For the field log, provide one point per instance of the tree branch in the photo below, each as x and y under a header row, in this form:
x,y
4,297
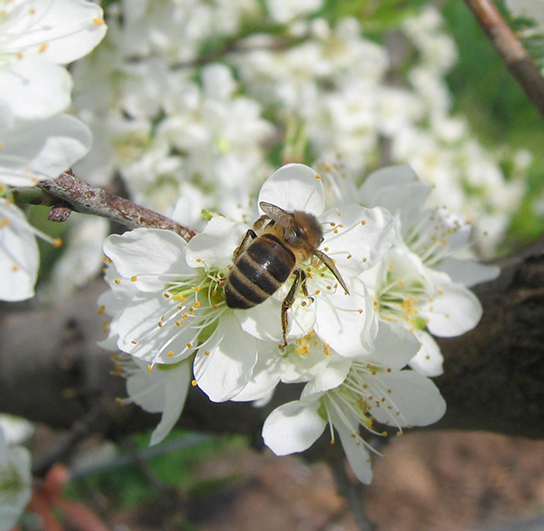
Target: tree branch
x,y
87,199
511,51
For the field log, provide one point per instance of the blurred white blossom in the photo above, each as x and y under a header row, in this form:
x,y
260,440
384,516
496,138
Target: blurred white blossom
x,y
38,37
15,482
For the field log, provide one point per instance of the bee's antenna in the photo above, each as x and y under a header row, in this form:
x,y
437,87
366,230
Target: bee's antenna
x,y
329,262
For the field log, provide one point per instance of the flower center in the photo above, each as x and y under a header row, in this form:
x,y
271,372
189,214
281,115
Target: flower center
x,y
200,304
399,299
353,402
431,238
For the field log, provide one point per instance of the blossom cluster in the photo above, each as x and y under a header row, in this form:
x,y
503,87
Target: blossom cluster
x,y
38,139
174,122
365,353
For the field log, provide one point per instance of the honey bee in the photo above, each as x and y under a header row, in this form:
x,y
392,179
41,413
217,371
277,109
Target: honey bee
x,y
269,254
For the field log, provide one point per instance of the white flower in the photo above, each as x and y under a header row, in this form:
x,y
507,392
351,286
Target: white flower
x,y
422,300
15,482
177,308
37,37
373,389
16,429
434,235
354,237
419,284
175,305
426,31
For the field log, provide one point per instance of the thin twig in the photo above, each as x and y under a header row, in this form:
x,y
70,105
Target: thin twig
x,y
79,431
512,52
352,492
235,47
87,199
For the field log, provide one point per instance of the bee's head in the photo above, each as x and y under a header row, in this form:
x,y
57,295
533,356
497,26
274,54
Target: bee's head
x,y
303,230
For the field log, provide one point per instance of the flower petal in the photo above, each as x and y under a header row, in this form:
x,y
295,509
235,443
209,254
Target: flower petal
x,y
413,395
429,360
147,253
452,313
346,322
468,272
357,454
294,187
225,367
329,377
59,31
35,89
178,381
19,255
262,321
266,374
214,246
40,149
293,427
394,346
399,190
358,237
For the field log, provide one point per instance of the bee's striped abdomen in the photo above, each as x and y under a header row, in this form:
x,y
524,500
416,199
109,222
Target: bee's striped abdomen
x,y
259,272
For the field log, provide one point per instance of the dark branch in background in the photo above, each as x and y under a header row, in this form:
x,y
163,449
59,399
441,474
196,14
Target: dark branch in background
x,y
236,46
70,192
512,52
352,491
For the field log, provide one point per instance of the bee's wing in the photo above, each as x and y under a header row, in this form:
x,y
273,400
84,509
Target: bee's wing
x,y
276,213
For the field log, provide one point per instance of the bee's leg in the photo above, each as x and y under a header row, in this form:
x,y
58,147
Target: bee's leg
x,y
303,285
248,238
300,278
